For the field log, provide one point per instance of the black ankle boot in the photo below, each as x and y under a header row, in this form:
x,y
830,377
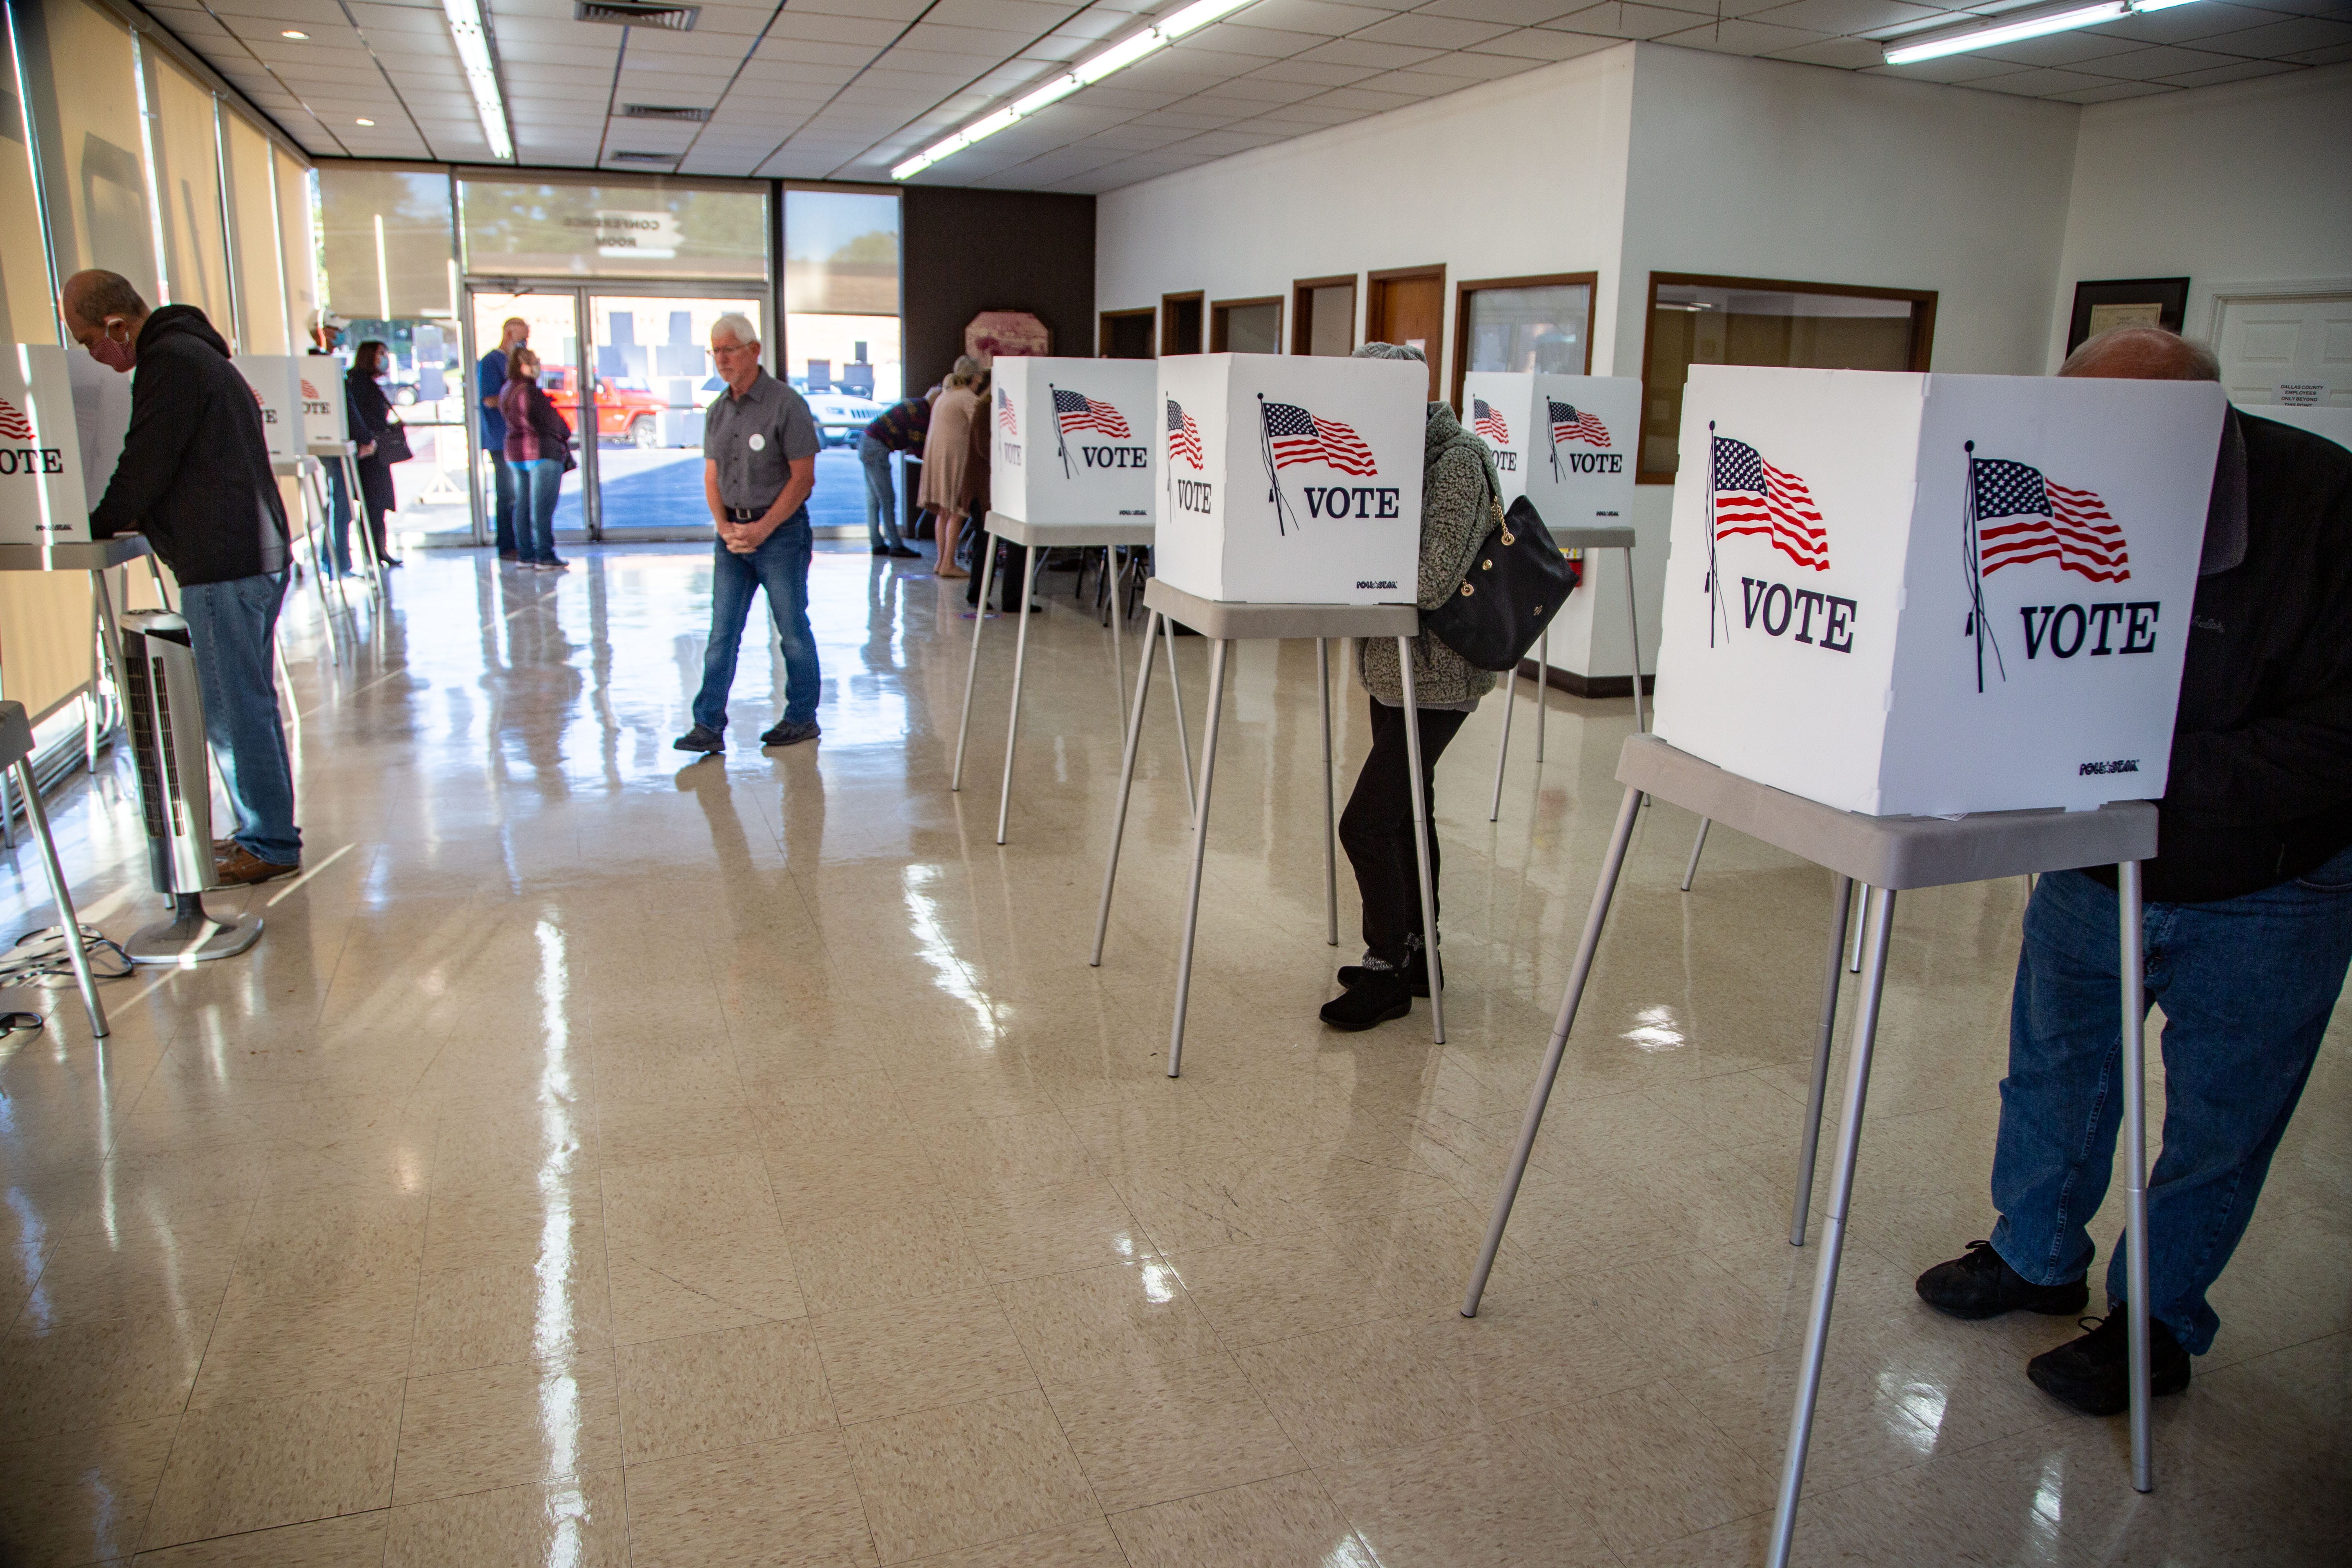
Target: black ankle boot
x,y
1416,970
1979,1283
1382,994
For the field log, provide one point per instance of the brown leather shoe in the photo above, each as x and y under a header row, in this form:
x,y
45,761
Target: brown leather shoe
x,y
241,868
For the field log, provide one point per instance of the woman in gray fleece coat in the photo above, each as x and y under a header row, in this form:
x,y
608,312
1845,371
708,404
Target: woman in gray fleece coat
x,y
1458,490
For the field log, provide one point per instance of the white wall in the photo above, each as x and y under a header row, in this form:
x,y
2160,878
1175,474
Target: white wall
x,y
2247,183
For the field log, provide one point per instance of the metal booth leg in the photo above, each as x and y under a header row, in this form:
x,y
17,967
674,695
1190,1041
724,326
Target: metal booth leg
x,y
1503,746
1698,845
1217,656
1543,686
37,816
2133,972
1421,828
971,671
1841,901
1331,805
1879,918
1126,783
1853,960
1113,574
1633,632
1020,658
1176,700
1610,866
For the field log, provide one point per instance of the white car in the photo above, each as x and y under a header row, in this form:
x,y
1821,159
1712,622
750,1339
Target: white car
x,y
842,417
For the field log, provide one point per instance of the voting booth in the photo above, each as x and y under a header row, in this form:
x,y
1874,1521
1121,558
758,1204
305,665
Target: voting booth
x,y
1288,478
1565,442
1916,595
1071,439
320,383
42,497
277,383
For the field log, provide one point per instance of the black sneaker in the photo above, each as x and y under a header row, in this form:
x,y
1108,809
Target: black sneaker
x,y
786,732
2094,1373
1979,1283
1416,970
901,552
701,739
1384,993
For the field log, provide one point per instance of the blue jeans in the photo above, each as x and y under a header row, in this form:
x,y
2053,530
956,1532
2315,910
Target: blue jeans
x,y
229,626
502,503
2247,986
881,503
338,519
781,565
536,483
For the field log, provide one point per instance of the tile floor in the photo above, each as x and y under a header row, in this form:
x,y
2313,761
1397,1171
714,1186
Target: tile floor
x,y
605,1159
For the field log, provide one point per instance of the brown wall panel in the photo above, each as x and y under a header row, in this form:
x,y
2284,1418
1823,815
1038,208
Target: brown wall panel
x,y
968,251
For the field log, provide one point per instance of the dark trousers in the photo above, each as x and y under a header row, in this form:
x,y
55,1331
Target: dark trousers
x,y
1377,828
502,508
1012,571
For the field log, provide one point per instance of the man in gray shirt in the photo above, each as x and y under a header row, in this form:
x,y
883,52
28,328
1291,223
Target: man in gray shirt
x,y
759,448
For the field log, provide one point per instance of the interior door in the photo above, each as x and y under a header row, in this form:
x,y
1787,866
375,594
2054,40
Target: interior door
x,y
1409,308
2271,344
553,316
654,376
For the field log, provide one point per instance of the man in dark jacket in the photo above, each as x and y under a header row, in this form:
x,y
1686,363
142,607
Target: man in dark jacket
x,y
194,478
2248,923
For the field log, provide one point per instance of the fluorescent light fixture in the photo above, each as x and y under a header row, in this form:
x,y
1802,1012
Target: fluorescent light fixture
x,y
1119,57
2010,29
363,123
297,33
481,73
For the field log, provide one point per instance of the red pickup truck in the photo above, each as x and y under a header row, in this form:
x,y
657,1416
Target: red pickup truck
x,y
624,411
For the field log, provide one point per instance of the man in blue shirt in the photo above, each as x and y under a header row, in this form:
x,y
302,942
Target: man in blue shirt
x,y
489,380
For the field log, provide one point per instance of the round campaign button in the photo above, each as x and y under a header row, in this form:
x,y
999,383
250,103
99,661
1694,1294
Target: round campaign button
x,y
758,443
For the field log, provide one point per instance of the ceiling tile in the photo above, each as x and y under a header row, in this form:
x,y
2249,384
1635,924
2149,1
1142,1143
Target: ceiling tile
x,y
2112,91
1741,37
2237,70
1310,17
1532,44
1515,13
1846,54
1426,32
2151,64
2040,83
1850,15
1357,52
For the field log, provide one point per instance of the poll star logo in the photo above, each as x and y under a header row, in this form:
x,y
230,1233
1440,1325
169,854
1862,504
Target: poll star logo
x,y
1288,435
1746,495
2015,514
1489,423
13,422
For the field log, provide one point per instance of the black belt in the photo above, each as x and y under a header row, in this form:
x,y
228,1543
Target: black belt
x,y
746,513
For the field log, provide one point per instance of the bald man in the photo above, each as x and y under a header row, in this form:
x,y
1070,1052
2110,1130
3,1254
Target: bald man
x,y
194,478
2248,923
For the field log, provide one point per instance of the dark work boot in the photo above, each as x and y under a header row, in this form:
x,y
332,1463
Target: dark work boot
x,y
1415,970
1979,1283
700,739
1382,994
2094,1373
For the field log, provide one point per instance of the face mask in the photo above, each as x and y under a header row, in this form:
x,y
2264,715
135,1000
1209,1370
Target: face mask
x,y
114,355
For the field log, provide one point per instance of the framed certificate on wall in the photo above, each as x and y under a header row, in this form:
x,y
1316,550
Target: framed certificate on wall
x,y
2125,302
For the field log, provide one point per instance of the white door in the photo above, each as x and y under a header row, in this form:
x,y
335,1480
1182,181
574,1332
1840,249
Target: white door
x,y
2267,345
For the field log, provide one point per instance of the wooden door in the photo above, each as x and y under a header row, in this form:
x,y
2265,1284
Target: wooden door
x,y
1408,306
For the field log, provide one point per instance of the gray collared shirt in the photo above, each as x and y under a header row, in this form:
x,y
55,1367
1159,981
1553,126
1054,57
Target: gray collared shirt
x,y
755,439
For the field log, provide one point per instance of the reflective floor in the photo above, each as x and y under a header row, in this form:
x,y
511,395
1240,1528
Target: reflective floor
x,y
605,1160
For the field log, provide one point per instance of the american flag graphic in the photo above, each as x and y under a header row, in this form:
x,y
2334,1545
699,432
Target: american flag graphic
x,y
1077,410
309,392
1488,423
1183,435
1005,413
13,422
1751,496
1568,424
2042,519
1294,436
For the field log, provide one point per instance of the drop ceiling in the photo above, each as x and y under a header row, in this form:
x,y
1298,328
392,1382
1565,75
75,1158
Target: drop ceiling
x,y
841,90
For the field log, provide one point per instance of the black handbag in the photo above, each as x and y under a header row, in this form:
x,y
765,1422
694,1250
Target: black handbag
x,y
392,445
1515,585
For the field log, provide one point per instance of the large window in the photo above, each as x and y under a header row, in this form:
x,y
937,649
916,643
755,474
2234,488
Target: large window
x,y
1751,321
1524,324
842,343
640,229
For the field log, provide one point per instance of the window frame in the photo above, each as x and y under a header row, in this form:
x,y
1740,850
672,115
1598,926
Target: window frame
x,y
1217,309
1302,310
1103,319
1469,285
1923,332
1168,304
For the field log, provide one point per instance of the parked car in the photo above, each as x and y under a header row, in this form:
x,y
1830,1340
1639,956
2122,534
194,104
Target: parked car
x,y
841,417
626,409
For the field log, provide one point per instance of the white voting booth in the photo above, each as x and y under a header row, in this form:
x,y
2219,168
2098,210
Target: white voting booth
x,y
42,495
1288,478
1071,439
277,383
319,382
1902,594
1568,444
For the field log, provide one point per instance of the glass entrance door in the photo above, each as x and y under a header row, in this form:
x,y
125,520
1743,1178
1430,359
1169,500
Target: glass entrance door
x,y
552,318
654,376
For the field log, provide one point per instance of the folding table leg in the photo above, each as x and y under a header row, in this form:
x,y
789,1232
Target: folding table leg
x,y
1020,658
1698,845
1633,632
1841,901
1176,700
1543,685
1853,959
1421,831
1503,746
2133,972
1330,806
971,671
1217,655
1879,916
1113,572
37,816
1125,782
1602,890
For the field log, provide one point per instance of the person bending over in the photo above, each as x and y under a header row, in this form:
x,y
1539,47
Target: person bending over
x,y
899,428
1459,486
2248,924
758,451
194,478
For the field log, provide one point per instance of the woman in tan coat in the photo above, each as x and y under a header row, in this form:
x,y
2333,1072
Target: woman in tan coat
x,y
947,469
